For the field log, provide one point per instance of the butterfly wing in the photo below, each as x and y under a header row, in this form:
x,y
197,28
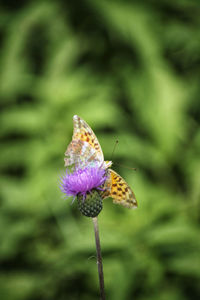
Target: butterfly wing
x,y
83,132
117,188
84,147
79,153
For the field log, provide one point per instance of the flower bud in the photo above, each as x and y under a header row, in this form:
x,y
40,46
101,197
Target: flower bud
x,y
91,204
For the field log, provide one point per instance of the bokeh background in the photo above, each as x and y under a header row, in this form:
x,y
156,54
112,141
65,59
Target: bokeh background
x,y
131,69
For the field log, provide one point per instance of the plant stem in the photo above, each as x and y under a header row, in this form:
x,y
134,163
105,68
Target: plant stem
x,y
99,259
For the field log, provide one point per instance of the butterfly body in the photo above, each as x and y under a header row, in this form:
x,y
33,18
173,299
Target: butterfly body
x,y
85,150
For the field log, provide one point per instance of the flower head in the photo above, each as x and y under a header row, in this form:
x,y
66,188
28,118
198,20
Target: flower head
x,y
82,180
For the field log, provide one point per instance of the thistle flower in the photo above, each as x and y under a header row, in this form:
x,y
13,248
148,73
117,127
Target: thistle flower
x,y
85,184
82,181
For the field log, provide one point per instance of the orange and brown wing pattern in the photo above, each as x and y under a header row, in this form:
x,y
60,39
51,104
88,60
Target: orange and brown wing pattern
x,y
117,188
83,132
84,148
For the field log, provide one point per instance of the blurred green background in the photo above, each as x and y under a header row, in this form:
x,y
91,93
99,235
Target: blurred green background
x,y
131,70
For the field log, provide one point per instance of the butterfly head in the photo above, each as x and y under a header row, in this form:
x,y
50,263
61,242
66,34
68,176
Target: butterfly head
x,y
107,164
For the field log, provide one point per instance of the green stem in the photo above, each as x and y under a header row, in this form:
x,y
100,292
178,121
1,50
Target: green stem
x,y
99,259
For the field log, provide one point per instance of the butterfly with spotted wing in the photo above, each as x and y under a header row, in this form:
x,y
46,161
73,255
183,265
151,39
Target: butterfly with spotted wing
x,y
85,150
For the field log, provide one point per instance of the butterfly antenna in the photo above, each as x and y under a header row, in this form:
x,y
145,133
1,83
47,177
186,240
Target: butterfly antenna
x,y
130,168
114,149
135,169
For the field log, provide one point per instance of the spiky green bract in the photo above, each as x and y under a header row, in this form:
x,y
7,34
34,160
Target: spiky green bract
x,y
91,204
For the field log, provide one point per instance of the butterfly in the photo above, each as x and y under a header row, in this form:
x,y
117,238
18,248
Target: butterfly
x,y
85,149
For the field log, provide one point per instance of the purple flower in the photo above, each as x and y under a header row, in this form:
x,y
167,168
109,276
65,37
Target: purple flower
x,y
82,181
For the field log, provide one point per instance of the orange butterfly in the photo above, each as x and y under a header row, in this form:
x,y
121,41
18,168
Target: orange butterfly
x,y
85,150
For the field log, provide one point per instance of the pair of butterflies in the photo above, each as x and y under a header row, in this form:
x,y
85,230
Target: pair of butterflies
x,y
85,150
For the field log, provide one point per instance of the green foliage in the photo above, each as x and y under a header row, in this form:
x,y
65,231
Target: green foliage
x,y
131,70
